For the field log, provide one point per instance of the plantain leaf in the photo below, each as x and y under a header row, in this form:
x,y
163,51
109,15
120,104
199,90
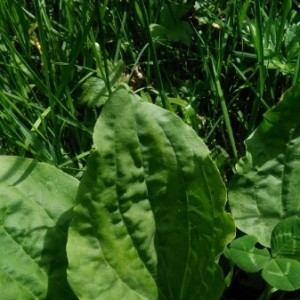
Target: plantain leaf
x,y
95,92
246,256
285,240
265,189
35,211
171,27
283,274
149,221
180,32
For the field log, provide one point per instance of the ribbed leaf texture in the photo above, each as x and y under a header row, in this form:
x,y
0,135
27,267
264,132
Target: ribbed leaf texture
x,y
36,203
149,221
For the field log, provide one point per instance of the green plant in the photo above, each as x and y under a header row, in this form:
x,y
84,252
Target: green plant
x,y
264,190
281,268
148,222
41,72
264,197
218,65
35,212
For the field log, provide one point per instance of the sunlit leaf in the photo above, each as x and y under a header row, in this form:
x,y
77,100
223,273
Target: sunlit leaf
x,y
150,220
35,211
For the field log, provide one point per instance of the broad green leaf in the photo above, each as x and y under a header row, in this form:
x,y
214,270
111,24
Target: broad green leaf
x,y
283,274
171,27
285,240
95,91
246,256
172,13
291,40
266,187
35,211
150,220
179,32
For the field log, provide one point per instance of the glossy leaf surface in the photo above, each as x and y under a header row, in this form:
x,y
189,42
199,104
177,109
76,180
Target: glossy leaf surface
x,y
283,274
150,219
35,210
266,189
285,240
246,256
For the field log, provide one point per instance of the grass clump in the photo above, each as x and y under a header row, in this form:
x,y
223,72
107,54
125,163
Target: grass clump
x,y
218,64
209,61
